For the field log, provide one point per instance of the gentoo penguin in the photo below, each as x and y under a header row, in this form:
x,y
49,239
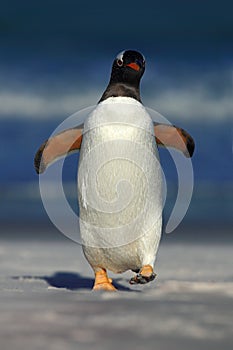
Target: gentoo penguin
x,y
119,175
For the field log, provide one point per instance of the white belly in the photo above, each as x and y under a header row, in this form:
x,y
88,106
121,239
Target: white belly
x,y
119,187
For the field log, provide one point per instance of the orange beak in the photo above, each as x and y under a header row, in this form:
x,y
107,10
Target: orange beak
x,y
133,66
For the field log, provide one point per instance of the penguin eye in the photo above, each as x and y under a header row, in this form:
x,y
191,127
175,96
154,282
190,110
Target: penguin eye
x,y
119,63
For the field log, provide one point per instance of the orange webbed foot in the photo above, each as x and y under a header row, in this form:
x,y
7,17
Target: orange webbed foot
x,y
108,287
102,282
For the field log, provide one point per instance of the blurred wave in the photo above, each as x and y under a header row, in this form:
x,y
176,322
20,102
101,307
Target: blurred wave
x,y
193,104
193,96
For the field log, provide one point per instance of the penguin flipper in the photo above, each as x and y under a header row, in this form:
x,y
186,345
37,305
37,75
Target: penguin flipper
x,y
60,145
172,136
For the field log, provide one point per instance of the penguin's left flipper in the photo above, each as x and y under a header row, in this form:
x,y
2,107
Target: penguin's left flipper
x,y
172,136
66,142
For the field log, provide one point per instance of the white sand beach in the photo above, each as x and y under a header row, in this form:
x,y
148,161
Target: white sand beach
x,y
46,300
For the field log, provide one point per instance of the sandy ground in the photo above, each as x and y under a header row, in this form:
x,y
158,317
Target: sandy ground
x,y
46,300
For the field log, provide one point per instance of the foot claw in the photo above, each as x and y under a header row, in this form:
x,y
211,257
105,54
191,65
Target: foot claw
x,y
145,275
139,279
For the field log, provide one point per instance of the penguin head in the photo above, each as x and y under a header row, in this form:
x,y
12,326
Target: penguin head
x,y
128,67
127,70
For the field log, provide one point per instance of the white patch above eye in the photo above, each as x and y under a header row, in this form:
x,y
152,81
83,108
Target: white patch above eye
x,y
120,55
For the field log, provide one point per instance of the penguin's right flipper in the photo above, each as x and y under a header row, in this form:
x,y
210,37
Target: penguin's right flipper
x,y
60,145
172,136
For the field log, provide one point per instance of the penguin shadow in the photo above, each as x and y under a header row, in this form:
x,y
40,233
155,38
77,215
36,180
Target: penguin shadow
x,y
70,281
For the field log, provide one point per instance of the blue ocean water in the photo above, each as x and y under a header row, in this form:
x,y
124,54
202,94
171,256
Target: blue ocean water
x,y
212,164
56,59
